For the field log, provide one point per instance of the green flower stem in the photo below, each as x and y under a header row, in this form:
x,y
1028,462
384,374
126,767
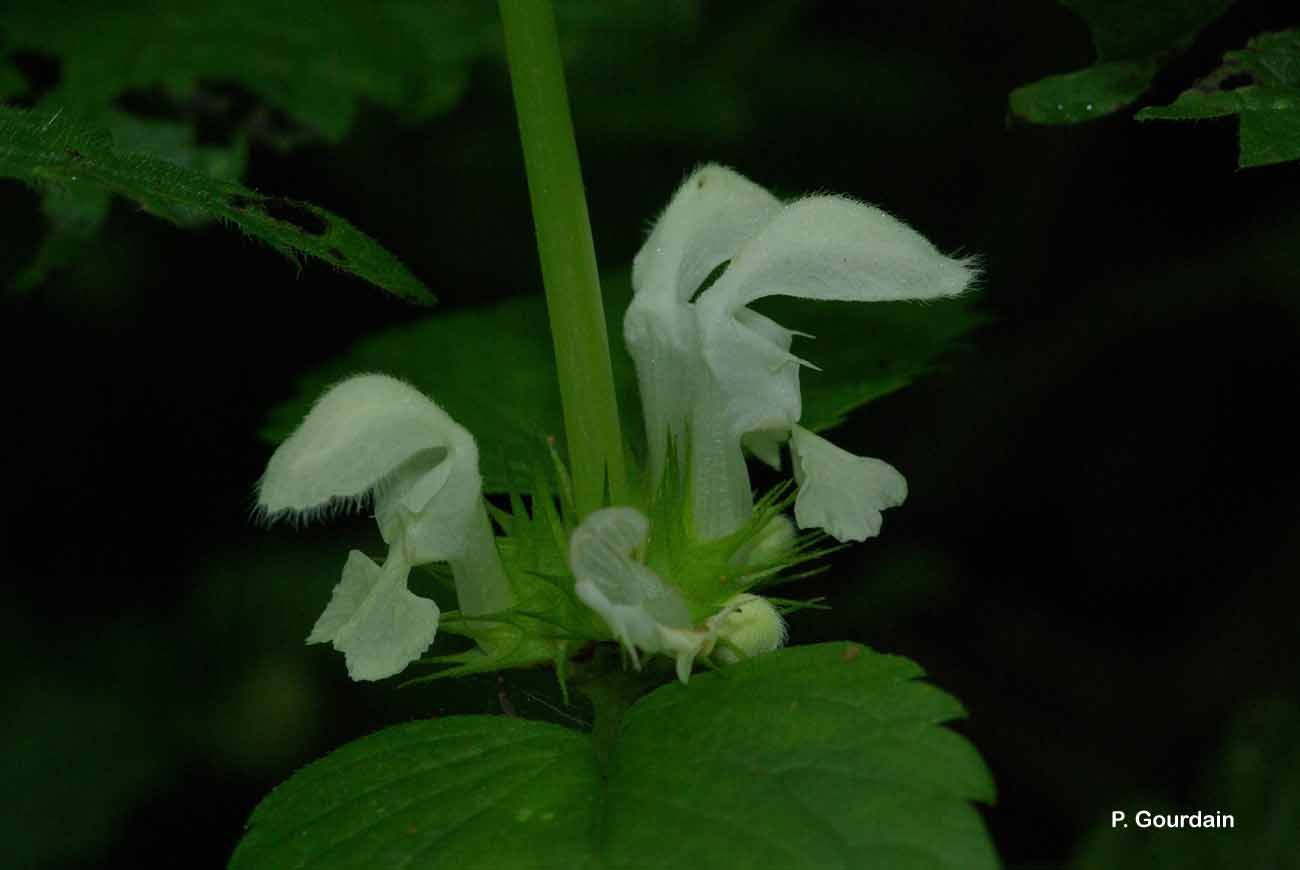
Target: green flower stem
x,y
567,253
612,691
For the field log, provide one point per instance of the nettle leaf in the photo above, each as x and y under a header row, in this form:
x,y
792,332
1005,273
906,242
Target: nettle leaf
x,y
1261,84
461,792
813,757
1133,41
866,351
54,151
819,756
74,214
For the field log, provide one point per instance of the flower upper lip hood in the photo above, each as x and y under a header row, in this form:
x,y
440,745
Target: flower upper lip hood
x,y
375,434
717,377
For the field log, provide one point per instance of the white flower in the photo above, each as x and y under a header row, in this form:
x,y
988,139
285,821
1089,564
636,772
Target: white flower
x,y
643,611
375,434
716,376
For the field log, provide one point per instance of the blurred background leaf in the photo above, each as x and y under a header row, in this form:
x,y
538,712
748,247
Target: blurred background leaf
x,y
865,352
1133,40
1261,84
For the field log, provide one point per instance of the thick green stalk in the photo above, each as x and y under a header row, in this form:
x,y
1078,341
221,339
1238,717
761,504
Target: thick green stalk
x,y
567,252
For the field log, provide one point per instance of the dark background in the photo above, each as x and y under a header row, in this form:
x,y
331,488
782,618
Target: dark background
x,y
1098,555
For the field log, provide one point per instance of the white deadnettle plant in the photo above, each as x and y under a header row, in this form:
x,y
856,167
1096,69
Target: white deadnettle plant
x,y
373,434
718,378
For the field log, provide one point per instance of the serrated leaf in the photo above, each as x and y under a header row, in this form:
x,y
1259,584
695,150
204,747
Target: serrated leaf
x,y
54,150
75,214
1133,40
1261,84
462,792
814,757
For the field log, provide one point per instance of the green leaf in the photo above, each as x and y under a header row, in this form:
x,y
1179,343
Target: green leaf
x,y
1133,40
1085,94
409,56
818,756
1261,84
54,151
12,82
1122,29
815,757
463,792
1255,779
75,214
404,55
866,351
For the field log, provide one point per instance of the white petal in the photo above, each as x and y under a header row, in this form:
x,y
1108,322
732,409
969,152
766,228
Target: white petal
x,y
631,598
360,431
482,586
710,217
432,501
758,379
840,493
750,385
833,248
708,220
661,338
359,578
374,620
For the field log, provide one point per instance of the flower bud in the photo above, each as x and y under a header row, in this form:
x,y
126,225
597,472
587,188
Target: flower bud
x,y
751,627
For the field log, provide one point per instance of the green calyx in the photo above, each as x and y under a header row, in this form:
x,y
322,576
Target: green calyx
x,y
548,624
